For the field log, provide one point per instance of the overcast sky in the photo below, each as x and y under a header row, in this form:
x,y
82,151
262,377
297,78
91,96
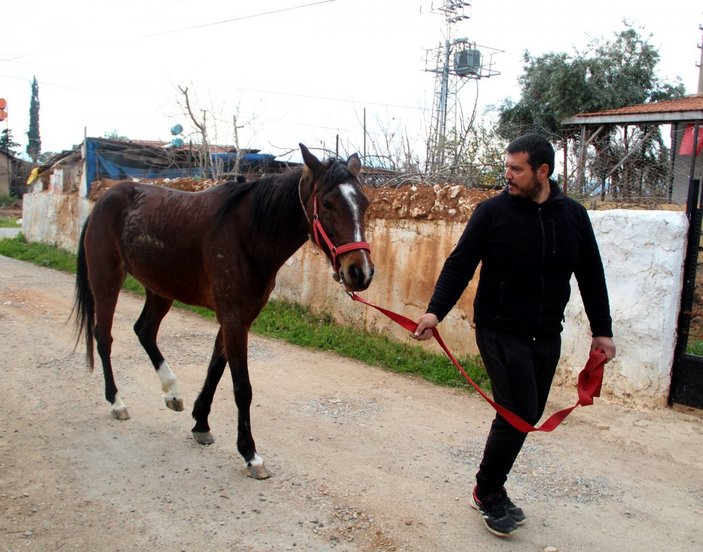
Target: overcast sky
x,y
291,70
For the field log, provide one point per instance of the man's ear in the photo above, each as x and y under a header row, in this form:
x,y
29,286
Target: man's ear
x,y
543,171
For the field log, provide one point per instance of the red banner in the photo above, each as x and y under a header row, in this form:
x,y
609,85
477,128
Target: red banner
x,y
686,147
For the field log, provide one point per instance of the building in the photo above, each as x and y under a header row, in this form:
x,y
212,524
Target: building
x,y
13,175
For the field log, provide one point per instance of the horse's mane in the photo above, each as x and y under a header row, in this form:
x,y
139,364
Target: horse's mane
x,y
275,202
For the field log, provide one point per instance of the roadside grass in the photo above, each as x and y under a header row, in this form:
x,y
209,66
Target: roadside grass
x,y
8,222
695,347
297,324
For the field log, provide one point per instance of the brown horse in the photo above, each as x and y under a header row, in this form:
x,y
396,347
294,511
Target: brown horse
x,y
221,249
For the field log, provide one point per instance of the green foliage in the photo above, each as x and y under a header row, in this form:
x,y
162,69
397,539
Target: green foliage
x,y
6,201
33,138
298,325
38,253
695,347
8,222
608,75
301,326
476,155
7,142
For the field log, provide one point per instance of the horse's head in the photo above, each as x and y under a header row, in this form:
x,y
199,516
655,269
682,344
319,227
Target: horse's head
x,y
336,207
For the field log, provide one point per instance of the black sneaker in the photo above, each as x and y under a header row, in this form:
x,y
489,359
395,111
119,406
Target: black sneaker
x,y
494,514
514,512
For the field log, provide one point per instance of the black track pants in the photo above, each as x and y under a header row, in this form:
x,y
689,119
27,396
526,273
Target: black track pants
x,y
521,371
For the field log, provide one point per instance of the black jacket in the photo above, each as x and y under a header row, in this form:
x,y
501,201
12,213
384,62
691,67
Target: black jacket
x,y
528,253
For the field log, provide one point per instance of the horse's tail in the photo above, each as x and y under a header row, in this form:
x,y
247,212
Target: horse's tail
x,y
84,303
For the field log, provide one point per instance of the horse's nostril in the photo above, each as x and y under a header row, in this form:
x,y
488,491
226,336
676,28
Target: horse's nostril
x,y
355,273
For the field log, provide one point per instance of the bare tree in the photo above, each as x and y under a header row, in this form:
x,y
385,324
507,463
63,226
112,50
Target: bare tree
x,y
201,126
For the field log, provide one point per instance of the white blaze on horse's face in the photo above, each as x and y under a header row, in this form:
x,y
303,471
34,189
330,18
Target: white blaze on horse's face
x,y
350,193
352,196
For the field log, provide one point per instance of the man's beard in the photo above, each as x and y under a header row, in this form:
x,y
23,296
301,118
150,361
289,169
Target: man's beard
x,y
531,191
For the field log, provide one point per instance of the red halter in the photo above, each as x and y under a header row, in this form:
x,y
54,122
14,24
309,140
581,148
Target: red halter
x,y
318,231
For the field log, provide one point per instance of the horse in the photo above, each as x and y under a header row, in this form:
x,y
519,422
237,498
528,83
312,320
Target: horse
x,y
219,248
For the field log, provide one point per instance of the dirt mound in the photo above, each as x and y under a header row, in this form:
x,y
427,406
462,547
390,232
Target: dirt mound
x,y
423,201
406,201
99,187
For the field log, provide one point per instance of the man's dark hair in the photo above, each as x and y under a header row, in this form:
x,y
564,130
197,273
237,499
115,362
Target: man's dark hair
x,y
537,148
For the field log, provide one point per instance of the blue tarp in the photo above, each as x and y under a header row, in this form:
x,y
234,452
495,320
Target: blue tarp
x,y
111,170
117,161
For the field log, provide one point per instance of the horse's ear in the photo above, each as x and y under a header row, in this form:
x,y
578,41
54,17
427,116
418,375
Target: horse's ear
x,y
311,162
354,164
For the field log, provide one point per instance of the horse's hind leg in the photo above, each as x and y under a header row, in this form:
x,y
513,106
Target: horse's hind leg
x,y
106,292
146,328
236,347
201,408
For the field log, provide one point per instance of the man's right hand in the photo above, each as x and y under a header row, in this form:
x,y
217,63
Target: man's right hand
x,y
427,322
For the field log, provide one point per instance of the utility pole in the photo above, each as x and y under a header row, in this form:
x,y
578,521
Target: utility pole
x,y
453,62
700,64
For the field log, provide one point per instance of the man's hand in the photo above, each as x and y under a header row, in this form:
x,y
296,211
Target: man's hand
x,y
424,326
605,343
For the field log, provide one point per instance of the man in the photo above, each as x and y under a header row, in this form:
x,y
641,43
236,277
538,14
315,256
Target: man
x,y
529,239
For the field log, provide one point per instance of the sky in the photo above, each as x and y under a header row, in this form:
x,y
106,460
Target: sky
x,y
291,71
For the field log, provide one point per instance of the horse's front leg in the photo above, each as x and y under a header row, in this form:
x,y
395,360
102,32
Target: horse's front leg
x,y
203,404
147,328
236,347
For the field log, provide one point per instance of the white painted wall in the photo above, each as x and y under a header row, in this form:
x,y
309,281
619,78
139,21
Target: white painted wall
x,y
54,218
643,253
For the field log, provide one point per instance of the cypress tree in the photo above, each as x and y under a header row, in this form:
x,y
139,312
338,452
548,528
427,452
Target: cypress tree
x,y
34,141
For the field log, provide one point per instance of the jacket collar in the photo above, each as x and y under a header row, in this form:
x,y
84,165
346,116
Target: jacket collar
x,y
555,196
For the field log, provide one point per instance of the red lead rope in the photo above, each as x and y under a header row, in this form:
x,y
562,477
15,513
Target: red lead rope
x,y
589,381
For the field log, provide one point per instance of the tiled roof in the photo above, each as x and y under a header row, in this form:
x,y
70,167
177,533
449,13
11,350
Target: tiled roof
x,y
685,104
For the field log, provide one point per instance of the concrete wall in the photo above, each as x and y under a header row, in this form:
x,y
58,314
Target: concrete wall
x,y
54,218
643,254
5,174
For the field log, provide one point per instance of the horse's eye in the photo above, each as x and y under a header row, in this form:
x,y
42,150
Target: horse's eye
x,y
326,204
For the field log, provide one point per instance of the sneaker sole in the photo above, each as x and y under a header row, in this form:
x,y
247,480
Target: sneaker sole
x,y
521,522
473,504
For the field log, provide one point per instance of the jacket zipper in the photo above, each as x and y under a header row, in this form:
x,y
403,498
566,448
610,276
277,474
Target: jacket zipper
x,y
544,260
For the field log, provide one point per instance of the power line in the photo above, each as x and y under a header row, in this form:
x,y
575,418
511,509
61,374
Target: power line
x,y
252,16
42,82
331,99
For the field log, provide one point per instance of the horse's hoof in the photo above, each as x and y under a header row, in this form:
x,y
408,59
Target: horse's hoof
x,y
120,414
203,437
258,472
256,468
174,404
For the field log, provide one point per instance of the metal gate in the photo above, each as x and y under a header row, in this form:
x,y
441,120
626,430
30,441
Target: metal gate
x,y
687,372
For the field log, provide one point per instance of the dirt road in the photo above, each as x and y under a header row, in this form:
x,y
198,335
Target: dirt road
x,y
362,460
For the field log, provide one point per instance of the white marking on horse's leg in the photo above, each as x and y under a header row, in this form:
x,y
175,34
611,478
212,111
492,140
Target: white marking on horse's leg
x,y
257,470
119,409
256,461
169,385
